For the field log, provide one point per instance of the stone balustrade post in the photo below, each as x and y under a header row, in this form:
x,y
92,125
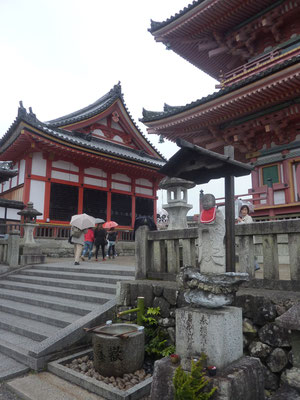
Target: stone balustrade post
x,y
142,252
13,248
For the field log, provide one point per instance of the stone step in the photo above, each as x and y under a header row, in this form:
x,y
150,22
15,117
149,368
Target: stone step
x,y
15,339
107,269
56,318
10,368
64,283
82,295
33,329
37,299
82,276
18,353
46,386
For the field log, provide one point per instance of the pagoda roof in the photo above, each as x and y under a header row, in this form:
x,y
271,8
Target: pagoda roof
x,y
52,131
149,116
7,171
199,22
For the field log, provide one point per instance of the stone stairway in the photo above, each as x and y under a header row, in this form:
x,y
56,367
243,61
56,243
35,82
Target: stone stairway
x,y
44,308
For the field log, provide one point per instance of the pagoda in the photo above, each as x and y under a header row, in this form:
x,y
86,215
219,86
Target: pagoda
x,y
253,49
94,160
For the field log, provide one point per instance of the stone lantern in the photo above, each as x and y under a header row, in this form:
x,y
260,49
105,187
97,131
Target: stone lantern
x,y
177,206
30,251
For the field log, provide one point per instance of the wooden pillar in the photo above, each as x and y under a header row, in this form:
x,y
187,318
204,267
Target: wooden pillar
x,y
108,205
47,189
230,224
80,190
27,178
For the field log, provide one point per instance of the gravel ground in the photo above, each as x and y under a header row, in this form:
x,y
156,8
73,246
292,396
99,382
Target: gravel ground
x,y
6,394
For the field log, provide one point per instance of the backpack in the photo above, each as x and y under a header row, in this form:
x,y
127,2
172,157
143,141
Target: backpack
x,y
75,232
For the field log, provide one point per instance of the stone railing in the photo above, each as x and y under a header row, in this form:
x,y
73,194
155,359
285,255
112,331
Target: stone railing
x,y
160,254
9,249
269,232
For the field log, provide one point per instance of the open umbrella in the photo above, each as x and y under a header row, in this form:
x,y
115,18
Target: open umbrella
x,y
82,221
110,224
99,221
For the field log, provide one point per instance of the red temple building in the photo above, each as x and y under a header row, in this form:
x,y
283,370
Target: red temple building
x,y
94,160
253,49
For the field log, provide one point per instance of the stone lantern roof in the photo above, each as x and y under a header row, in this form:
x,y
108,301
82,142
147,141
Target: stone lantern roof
x,y
29,213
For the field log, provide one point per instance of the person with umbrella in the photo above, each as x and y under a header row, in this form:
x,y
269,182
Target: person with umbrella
x,y
111,237
79,225
100,238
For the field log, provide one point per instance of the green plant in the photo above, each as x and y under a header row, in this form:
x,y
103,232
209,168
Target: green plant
x,y
156,338
193,386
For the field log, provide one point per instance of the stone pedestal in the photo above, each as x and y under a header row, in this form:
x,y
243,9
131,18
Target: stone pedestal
x,y
30,251
215,332
13,248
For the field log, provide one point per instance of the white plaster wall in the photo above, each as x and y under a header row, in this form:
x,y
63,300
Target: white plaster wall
x,y
6,185
37,196
14,181
39,164
21,172
98,132
144,182
103,121
121,177
118,138
141,190
121,186
95,182
115,125
64,176
68,166
95,172
12,213
279,197
2,212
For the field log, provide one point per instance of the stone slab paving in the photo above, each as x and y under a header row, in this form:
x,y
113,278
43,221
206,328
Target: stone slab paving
x,y
48,386
10,368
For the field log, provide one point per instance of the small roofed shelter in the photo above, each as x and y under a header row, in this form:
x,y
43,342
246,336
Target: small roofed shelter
x,y
200,165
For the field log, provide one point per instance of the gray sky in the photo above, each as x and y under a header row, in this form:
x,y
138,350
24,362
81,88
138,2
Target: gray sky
x,y
61,55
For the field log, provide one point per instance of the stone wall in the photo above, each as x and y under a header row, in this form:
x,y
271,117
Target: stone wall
x,y
263,339
62,248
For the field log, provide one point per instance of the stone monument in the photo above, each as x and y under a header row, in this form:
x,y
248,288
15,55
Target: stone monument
x,y
211,250
177,206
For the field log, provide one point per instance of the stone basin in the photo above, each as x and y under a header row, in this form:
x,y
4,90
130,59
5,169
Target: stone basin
x,y
118,349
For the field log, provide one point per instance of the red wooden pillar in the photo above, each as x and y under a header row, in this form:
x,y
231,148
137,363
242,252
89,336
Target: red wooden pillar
x,y
108,207
47,188
27,178
155,187
133,203
80,191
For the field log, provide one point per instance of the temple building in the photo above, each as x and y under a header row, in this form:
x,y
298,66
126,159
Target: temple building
x,y
94,160
253,49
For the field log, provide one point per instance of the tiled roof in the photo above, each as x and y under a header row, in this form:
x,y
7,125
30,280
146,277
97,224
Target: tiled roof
x,y
7,171
157,25
169,111
95,108
77,138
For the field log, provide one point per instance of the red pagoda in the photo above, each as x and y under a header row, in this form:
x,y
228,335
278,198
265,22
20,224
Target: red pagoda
x,y
94,160
253,48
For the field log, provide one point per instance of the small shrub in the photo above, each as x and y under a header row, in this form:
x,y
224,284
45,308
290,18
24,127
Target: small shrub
x,y
156,338
192,386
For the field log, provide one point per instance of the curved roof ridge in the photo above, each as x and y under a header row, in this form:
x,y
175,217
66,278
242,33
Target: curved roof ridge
x,y
169,111
155,25
105,100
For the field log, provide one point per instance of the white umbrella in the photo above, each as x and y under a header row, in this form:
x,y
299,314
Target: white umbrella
x,y
99,221
82,221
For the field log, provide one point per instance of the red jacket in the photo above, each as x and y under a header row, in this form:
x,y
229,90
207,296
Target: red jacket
x,y
89,236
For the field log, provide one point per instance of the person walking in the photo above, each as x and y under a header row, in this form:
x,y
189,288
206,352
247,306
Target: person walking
x,y
88,244
100,240
112,238
245,218
77,238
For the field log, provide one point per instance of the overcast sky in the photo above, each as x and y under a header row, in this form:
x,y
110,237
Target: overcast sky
x,y
58,56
